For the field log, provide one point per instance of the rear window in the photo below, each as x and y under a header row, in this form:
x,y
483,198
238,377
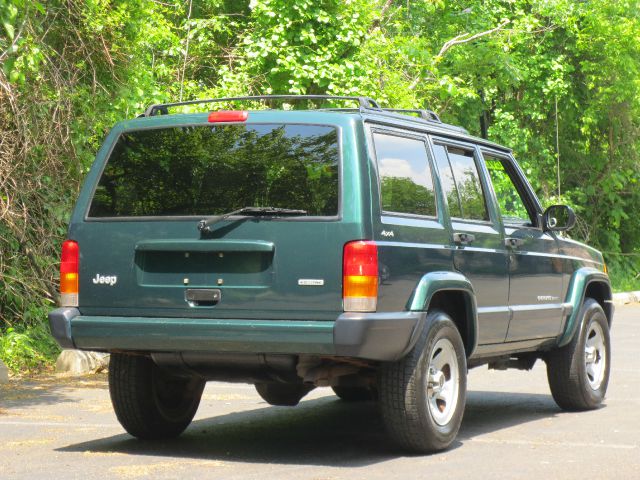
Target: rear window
x,y
211,170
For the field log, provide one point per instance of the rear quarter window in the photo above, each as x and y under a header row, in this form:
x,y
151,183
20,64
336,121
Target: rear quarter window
x,y
211,170
406,184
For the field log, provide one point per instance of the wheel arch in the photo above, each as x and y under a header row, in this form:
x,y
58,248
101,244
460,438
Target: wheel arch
x,y
600,291
452,293
586,283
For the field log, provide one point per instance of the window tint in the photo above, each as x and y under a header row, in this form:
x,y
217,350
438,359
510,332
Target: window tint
x,y
210,170
405,175
467,179
460,180
512,206
447,181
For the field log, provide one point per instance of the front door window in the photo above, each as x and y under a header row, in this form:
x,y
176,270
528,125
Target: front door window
x,y
513,207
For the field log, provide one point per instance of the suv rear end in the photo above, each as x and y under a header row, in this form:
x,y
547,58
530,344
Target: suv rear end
x,y
220,246
151,280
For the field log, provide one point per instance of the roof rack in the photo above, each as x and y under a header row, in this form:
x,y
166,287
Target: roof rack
x,y
424,114
163,108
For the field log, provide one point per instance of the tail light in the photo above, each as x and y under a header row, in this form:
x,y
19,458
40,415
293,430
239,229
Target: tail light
x,y
69,263
360,277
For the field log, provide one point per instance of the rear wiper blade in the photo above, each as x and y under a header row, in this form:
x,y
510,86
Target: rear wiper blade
x,y
205,224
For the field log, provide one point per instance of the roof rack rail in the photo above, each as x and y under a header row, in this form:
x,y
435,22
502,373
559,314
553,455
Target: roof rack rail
x,y
424,114
163,108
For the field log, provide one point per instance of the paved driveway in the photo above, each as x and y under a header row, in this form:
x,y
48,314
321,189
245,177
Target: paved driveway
x,y
64,428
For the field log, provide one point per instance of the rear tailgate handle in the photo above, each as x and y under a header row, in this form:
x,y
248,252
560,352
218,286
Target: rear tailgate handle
x,y
202,297
189,245
513,242
463,238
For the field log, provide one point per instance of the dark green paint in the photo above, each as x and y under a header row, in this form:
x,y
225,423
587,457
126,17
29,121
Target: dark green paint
x,y
434,282
190,245
575,296
191,334
512,294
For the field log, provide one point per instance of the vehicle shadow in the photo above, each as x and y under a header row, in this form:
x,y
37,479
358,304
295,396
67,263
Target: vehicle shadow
x,y
489,411
321,432
46,390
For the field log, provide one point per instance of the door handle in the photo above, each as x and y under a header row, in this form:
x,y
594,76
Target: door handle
x,y
513,242
463,238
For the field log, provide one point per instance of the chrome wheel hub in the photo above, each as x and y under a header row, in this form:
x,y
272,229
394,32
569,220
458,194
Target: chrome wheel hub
x,y
436,380
595,358
442,382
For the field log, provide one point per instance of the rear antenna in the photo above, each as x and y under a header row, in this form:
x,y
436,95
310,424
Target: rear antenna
x,y
186,50
557,147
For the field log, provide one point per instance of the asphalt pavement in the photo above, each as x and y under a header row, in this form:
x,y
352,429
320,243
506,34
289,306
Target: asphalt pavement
x,y
64,427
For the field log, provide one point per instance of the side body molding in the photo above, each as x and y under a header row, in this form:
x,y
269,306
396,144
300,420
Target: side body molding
x,y
575,296
435,282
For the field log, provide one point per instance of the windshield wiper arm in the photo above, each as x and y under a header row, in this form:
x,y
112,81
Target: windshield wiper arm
x,y
205,224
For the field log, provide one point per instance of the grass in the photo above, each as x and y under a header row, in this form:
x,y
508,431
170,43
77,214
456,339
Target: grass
x,y
28,350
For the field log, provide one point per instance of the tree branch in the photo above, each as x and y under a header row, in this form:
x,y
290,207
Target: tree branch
x,y
465,38
376,23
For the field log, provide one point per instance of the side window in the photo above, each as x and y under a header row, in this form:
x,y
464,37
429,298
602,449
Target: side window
x,y
461,182
447,180
406,185
513,208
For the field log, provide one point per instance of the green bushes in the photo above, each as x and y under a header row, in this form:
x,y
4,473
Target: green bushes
x,y
28,349
624,272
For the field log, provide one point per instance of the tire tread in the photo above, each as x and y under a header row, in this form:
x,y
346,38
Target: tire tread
x,y
131,391
564,367
398,397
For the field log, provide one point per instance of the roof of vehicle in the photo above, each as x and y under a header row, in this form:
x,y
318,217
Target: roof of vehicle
x,y
368,110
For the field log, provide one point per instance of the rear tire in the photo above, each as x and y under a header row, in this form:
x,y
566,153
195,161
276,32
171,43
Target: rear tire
x,y
282,394
150,403
422,396
578,373
355,394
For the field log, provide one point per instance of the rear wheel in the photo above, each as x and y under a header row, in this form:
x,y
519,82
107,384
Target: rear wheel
x,y
578,373
355,394
282,394
422,396
149,402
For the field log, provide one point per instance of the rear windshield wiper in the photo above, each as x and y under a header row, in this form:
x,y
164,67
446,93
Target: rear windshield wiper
x,y
204,225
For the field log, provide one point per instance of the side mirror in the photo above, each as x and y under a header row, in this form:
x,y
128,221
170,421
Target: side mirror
x,y
558,218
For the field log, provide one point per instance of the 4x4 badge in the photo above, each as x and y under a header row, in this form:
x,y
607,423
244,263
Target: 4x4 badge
x,y
387,233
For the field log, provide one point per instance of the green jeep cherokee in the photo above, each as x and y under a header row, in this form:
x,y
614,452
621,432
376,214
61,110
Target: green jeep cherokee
x,y
378,252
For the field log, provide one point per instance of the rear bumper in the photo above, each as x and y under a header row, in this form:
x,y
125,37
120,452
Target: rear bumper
x,y
60,324
373,336
377,336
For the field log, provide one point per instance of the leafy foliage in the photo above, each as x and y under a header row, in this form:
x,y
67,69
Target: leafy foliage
x,y
547,78
27,348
